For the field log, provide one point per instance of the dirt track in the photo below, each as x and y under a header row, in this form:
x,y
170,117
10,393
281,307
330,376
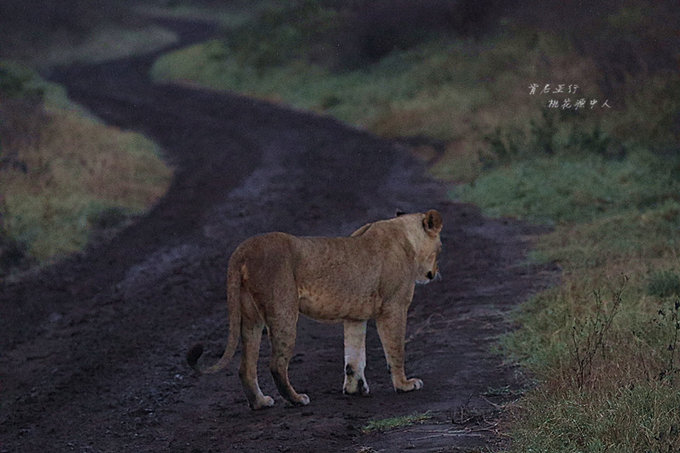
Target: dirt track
x,y
92,349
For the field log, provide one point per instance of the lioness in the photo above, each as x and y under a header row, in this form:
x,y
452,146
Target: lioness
x,y
370,275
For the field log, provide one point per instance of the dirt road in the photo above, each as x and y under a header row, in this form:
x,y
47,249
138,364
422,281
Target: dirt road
x,y
92,349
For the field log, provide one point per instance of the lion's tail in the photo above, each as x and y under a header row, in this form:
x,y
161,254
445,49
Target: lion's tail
x,y
234,276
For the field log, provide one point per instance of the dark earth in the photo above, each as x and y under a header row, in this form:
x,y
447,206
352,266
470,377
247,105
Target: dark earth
x,y
92,352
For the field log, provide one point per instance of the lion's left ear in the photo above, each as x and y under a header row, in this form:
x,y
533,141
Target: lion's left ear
x,y
432,222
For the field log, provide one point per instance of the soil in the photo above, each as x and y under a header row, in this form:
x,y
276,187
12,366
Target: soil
x,y
92,348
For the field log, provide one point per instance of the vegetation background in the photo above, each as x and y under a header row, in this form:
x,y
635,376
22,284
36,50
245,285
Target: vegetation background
x,y
454,81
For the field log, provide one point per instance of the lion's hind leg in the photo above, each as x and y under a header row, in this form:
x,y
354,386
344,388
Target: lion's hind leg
x,y
355,358
282,335
251,336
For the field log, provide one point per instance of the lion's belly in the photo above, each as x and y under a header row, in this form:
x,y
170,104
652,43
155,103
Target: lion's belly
x,y
326,304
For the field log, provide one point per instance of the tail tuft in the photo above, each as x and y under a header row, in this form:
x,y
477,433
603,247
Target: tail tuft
x,y
193,355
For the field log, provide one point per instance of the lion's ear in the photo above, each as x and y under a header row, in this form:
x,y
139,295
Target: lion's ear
x,y
432,223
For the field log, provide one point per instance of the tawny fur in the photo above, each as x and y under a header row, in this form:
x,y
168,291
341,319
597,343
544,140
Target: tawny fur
x,y
274,277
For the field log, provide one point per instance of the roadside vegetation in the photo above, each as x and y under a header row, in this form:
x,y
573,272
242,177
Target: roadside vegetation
x,y
66,178
63,174
465,82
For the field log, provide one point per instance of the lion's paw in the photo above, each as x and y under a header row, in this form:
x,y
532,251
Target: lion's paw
x,y
410,385
356,387
304,399
263,403
301,400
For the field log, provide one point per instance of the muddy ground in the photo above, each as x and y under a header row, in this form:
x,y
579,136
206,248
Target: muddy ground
x,y
92,349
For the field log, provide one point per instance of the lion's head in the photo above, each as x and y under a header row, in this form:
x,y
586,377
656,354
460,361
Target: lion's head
x,y
423,231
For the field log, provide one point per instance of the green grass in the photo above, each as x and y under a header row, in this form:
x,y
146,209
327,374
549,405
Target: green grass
x,y
387,424
575,188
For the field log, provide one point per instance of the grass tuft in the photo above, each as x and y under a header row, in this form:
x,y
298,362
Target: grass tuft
x,y
387,424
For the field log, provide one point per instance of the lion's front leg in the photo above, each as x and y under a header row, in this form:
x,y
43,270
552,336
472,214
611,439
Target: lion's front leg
x,y
355,358
392,330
